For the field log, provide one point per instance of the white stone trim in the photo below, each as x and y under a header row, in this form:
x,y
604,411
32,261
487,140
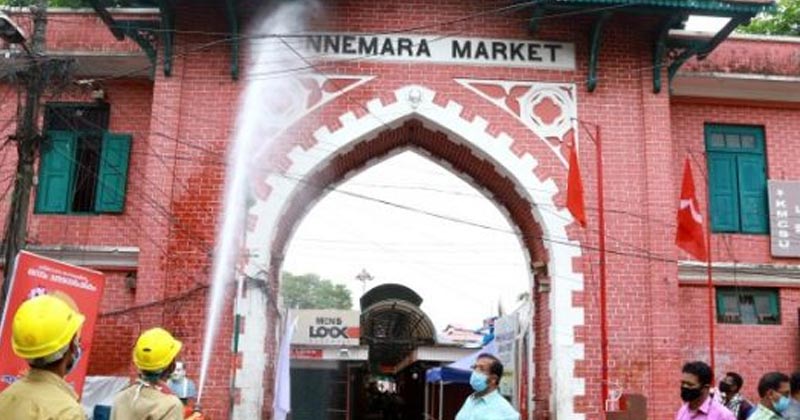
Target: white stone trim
x,y
758,87
684,34
695,272
417,102
123,258
536,91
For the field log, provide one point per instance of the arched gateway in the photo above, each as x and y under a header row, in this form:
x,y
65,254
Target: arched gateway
x,y
417,118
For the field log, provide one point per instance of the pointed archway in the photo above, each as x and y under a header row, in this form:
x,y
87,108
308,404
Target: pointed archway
x,y
411,118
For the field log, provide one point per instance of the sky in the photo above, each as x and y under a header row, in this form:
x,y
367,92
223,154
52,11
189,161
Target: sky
x,y
705,24
462,272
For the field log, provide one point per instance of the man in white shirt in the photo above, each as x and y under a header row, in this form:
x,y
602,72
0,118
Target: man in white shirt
x,y
486,403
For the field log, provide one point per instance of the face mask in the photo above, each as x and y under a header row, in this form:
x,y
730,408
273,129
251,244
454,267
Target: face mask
x,y
179,372
76,357
690,394
478,381
725,387
781,405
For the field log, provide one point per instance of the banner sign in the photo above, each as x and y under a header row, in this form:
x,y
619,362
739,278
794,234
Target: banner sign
x,y
33,276
440,49
326,327
505,334
784,217
302,353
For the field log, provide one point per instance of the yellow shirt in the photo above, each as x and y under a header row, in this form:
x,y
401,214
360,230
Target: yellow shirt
x,y
146,402
40,395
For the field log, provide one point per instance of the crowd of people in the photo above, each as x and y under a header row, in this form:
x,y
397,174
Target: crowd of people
x,y
46,332
778,396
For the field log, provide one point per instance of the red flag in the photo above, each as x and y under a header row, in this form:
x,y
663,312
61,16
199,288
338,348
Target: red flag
x,y
690,236
575,189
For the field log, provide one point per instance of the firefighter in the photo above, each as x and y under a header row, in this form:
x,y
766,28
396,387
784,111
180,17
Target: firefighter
x,y
46,333
150,397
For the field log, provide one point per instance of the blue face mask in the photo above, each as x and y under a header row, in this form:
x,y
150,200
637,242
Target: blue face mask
x,y
781,405
478,381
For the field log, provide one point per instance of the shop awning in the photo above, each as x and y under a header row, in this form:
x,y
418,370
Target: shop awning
x,y
460,370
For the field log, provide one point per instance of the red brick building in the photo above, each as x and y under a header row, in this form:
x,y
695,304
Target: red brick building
x,y
519,85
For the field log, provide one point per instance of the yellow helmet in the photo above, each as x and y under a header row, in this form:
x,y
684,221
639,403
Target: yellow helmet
x,y
43,327
155,349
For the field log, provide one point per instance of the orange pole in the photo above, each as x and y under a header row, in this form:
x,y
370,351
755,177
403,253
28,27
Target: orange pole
x,y
601,221
710,284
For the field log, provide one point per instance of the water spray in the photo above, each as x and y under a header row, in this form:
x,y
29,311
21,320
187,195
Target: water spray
x,y
264,112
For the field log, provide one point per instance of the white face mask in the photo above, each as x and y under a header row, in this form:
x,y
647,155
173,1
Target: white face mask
x,y
179,372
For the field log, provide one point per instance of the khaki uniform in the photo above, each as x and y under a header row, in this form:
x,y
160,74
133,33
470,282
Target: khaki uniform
x,y
40,395
146,402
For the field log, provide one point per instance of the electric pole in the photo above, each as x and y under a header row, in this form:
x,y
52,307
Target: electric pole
x,y
33,80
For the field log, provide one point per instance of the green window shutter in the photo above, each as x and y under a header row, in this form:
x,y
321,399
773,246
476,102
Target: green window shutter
x,y
56,171
752,193
112,175
775,305
720,305
723,191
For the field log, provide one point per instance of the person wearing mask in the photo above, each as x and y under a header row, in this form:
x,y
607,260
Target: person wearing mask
x,y
183,387
731,387
793,412
773,388
486,403
695,393
150,397
45,331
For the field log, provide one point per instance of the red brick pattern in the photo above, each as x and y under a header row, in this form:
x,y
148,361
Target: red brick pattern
x,y
182,125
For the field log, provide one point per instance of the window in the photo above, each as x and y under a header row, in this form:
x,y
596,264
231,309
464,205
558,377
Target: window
x,y
737,305
83,167
737,178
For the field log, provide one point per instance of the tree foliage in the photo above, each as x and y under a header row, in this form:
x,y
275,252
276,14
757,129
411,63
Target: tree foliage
x,y
309,291
784,20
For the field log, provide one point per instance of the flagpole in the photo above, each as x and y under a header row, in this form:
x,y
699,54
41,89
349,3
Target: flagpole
x,y
710,281
601,249
601,245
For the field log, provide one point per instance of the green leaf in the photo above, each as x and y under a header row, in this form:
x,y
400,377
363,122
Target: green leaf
x,y
309,291
784,20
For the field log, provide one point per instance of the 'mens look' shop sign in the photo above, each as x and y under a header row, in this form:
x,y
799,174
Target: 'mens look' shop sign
x,y
441,49
326,327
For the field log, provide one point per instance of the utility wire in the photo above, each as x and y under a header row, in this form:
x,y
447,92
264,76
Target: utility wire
x,y
432,215
167,215
499,10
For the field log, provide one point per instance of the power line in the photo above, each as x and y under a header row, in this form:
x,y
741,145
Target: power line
x,y
649,257
645,218
168,217
563,241
444,217
498,10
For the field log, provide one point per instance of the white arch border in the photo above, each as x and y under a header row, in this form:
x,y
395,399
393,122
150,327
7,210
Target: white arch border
x,y
417,102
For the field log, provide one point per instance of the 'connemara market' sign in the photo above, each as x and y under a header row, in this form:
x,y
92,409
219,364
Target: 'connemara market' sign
x,y
442,49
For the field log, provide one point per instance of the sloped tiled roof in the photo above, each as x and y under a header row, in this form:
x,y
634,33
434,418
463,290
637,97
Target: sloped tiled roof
x,y
733,6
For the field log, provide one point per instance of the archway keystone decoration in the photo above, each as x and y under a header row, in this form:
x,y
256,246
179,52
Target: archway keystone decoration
x,y
420,104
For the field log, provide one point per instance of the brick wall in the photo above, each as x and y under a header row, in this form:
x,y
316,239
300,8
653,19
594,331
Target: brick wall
x,y
736,348
182,125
